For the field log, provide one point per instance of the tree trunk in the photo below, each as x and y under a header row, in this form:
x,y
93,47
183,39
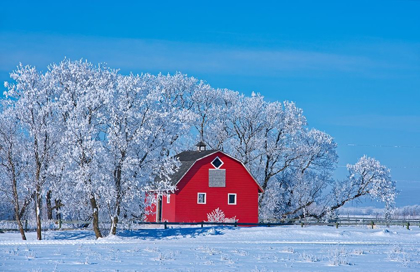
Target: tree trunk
x,y
117,179
264,187
95,215
38,184
16,202
49,206
21,229
114,222
38,214
57,208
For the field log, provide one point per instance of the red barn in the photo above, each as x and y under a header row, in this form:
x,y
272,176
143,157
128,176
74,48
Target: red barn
x,y
207,180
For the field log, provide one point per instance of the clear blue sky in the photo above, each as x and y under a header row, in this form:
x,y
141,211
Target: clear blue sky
x,y
353,66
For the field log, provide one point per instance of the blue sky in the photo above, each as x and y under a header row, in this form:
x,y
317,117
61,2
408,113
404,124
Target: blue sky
x,y
353,66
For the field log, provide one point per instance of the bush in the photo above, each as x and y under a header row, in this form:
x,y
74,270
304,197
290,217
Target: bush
x,y
218,216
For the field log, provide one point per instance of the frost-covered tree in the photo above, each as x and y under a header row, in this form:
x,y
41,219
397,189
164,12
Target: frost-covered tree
x,y
300,185
292,163
34,103
246,125
88,136
13,167
213,107
143,122
313,173
284,122
368,177
84,93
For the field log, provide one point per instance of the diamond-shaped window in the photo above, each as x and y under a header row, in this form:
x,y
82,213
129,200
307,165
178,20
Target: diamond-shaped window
x,y
217,162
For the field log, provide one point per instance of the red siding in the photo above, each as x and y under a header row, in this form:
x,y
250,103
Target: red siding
x,y
238,181
151,210
168,209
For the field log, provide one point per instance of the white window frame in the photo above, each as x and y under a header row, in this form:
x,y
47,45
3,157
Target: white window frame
x,y
168,199
198,198
215,165
236,199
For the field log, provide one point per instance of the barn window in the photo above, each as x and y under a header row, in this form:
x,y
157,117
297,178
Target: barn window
x,y
201,198
217,177
217,162
232,199
168,199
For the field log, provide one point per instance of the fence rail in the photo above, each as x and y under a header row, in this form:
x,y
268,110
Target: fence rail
x,y
135,225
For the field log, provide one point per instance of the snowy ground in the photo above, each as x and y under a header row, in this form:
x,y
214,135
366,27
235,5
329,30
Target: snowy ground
x,y
283,248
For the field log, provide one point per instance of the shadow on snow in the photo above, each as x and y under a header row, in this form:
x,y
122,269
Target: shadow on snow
x,y
171,232
138,234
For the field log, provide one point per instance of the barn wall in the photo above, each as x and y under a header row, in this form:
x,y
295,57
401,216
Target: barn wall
x,y
238,181
151,209
168,210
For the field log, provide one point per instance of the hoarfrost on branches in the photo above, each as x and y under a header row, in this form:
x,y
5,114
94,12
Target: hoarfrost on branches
x,y
144,122
93,143
33,99
368,177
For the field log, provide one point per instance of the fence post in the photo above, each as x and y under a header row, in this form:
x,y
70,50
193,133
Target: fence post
x,y
164,225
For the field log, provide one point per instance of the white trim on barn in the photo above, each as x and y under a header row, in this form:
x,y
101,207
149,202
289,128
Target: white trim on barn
x,y
235,199
204,198
215,160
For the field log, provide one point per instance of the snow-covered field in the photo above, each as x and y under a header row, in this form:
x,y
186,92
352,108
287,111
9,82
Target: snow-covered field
x,y
286,248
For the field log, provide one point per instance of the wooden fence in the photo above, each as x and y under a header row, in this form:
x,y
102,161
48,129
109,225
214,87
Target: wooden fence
x,y
136,225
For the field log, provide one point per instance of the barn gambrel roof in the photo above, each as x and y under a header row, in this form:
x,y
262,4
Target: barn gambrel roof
x,y
189,158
